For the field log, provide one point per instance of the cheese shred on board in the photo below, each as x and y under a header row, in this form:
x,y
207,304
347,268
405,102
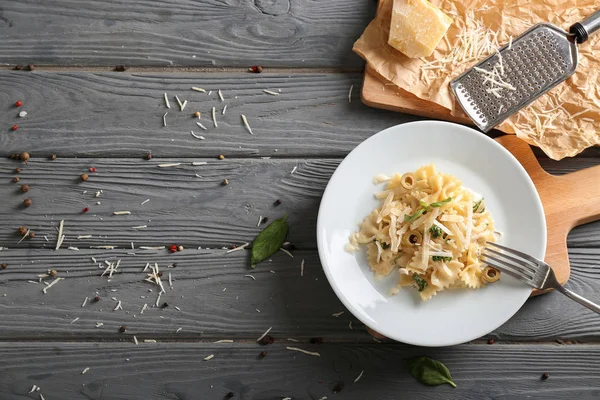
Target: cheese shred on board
x,y
429,230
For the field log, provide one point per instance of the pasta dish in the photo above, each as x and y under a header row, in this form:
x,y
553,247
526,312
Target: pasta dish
x,y
431,230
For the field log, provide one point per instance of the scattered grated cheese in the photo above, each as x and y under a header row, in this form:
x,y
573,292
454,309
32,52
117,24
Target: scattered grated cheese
x,y
84,237
178,330
350,94
51,284
220,95
170,281
302,268
165,119
195,163
86,369
250,276
46,238
72,248
177,308
286,252
270,92
359,376
294,170
257,310
41,396
75,320
246,124
61,237
94,259
183,105
224,341
151,247
32,389
118,307
209,357
224,109
103,247
178,101
376,340
30,281
214,117
122,212
200,125
24,236
139,227
144,202
242,247
259,220
135,340
310,353
292,340
84,302
144,307
197,89
167,101
169,165
350,325
99,324
149,341
158,299
337,314
196,136
264,334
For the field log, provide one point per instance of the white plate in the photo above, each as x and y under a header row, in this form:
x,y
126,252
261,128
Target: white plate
x,y
484,166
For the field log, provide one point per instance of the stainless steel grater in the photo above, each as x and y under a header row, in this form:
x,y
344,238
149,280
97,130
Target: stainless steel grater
x,y
520,72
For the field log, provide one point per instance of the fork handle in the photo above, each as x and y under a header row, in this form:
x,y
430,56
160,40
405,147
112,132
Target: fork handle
x,y
581,300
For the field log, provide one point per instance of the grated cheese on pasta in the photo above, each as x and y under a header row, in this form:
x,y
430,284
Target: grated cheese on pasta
x,y
430,232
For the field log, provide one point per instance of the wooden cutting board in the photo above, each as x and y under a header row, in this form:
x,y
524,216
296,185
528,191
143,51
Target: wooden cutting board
x,y
569,200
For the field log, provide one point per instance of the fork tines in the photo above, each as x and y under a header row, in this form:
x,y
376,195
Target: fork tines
x,y
512,262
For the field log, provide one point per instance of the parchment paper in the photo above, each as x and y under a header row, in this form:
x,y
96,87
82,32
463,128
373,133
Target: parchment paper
x,y
562,123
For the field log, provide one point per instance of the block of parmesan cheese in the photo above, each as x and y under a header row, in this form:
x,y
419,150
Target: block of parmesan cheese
x,y
417,27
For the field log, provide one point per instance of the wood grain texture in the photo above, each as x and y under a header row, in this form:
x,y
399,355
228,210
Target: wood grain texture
x,y
117,115
177,371
218,301
380,93
183,208
221,33
215,298
568,200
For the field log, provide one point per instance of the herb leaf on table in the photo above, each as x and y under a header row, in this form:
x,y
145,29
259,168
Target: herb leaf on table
x,y
429,371
269,240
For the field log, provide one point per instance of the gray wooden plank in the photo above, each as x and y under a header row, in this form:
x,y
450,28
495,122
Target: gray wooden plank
x,y
190,33
120,114
183,208
217,300
178,371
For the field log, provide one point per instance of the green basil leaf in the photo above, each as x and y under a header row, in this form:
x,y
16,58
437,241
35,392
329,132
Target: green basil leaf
x,y
429,371
411,218
441,203
420,282
476,205
269,240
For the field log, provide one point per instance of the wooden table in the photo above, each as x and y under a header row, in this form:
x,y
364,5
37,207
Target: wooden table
x,y
92,116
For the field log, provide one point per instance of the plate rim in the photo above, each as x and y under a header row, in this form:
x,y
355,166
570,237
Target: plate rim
x,y
438,124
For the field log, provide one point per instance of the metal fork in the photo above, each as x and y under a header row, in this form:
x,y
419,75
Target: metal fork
x,y
529,270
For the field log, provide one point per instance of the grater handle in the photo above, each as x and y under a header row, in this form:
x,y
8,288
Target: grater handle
x,y
582,30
